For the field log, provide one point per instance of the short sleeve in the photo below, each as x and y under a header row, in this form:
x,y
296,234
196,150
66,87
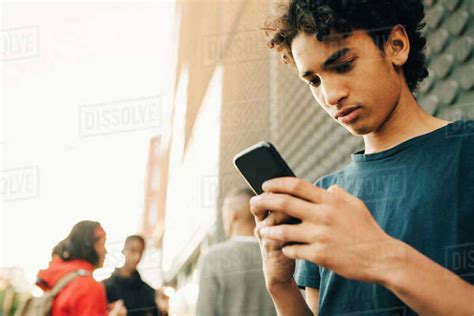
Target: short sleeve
x,y
307,274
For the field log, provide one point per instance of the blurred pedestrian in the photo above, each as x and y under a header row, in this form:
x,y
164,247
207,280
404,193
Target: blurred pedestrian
x,y
126,283
231,277
162,300
83,251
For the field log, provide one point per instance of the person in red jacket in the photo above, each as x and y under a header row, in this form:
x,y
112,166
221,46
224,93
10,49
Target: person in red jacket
x,y
84,249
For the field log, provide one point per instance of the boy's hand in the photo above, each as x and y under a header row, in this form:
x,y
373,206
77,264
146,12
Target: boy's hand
x,y
337,231
117,308
278,268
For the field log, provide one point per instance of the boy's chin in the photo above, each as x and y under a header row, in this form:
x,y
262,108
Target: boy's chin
x,y
357,129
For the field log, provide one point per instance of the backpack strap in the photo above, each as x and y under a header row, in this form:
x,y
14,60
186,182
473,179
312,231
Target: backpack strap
x,y
67,279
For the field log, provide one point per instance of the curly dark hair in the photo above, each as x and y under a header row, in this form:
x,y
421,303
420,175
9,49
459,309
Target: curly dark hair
x,y
79,244
135,237
377,17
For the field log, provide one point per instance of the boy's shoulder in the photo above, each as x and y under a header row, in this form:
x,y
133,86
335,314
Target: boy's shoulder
x,y
455,139
457,142
461,133
462,128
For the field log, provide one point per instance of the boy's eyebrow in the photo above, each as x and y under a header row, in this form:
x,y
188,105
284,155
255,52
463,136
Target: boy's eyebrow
x,y
335,57
330,61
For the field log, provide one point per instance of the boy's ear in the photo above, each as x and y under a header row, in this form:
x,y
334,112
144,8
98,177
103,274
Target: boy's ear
x,y
398,46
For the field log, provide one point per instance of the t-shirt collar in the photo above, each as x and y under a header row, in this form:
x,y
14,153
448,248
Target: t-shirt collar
x,y
361,157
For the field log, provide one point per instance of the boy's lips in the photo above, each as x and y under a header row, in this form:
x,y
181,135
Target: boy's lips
x,y
349,115
346,111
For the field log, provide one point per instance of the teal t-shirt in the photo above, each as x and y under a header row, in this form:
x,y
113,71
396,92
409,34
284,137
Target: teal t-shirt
x,y
420,192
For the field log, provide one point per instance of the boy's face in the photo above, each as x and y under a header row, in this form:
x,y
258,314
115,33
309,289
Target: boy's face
x,y
133,251
350,78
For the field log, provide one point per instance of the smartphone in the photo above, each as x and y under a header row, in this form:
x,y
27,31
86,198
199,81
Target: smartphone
x,y
259,163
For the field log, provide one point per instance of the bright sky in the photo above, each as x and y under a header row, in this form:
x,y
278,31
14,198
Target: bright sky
x,y
84,88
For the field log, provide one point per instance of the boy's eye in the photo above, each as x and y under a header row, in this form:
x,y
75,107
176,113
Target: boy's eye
x,y
314,82
344,67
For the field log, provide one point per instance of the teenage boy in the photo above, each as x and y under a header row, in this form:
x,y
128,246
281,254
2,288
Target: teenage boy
x,y
393,232
127,285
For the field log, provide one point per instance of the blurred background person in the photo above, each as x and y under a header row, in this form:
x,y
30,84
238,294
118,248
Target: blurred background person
x,y
231,277
162,300
83,249
126,283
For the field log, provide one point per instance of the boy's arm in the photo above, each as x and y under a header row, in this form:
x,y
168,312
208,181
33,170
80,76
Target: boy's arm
x,y
312,299
278,269
425,286
288,299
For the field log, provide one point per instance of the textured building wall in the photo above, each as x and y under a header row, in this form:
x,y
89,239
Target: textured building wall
x,y
245,106
229,41
449,90
315,145
222,36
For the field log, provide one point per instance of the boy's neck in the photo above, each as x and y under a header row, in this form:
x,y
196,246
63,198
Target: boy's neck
x,y
407,121
126,271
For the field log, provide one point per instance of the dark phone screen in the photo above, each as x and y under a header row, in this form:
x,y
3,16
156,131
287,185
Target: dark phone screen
x,y
261,164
